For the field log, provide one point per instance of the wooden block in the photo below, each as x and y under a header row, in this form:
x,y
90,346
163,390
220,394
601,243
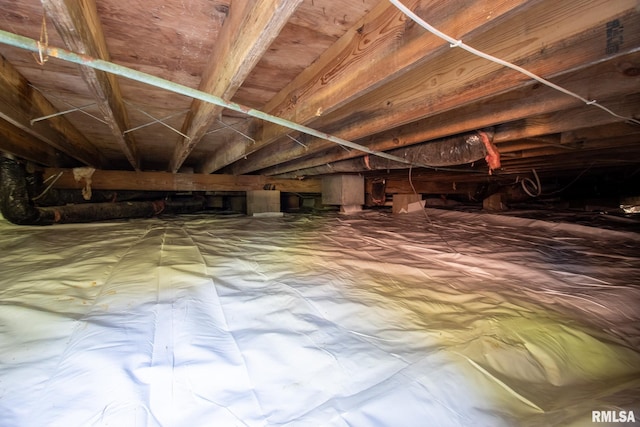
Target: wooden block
x,y
401,202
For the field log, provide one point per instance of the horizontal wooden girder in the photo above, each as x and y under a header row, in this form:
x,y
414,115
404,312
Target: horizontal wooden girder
x,y
165,181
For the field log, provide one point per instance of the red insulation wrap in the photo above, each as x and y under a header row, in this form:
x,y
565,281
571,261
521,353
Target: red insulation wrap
x,y
493,155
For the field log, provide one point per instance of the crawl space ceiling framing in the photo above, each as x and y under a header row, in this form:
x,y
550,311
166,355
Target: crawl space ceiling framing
x,y
361,71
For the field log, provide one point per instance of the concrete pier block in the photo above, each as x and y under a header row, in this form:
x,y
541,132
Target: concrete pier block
x,y
262,201
343,190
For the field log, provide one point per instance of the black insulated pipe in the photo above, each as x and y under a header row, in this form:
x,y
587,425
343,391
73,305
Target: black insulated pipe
x,y
17,206
90,212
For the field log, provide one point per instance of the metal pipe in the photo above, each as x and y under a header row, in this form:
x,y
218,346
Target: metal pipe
x,y
119,70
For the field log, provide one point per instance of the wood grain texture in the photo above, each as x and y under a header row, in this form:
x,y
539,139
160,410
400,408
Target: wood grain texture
x,y
458,78
166,181
20,103
15,141
357,69
605,79
258,22
378,48
568,119
78,24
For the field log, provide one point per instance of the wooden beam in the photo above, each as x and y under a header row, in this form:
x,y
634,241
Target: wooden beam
x,y
15,141
246,35
78,24
460,78
20,103
457,78
576,136
566,120
607,159
616,152
577,170
514,149
166,181
604,79
430,187
376,49
562,155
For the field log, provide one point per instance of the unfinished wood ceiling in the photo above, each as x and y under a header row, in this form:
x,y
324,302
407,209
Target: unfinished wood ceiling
x,y
360,70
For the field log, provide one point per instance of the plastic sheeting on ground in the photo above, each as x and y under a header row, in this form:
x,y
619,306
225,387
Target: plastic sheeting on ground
x,y
454,319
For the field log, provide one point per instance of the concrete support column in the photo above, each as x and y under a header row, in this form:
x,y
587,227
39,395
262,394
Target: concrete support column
x,y
263,202
347,191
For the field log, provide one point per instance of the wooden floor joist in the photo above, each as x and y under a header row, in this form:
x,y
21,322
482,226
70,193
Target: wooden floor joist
x,y
79,26
293,88
234,57
376,49
457,78
20,103
529,100
24,145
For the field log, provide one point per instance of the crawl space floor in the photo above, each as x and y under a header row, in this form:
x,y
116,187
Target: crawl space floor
x,y
444,319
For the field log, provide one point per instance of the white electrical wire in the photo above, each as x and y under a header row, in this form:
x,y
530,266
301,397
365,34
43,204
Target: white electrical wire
x,y
533,189
458,43
57,177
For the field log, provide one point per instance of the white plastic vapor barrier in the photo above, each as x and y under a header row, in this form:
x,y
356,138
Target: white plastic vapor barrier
x,y
319,320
